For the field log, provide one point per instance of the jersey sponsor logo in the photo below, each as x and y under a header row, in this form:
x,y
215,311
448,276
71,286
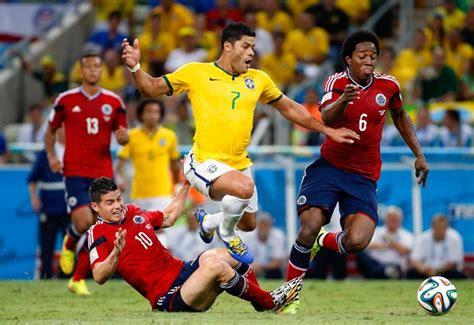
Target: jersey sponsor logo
x,y
76,109
249,83
138,220
380,99
72,201
301,200
211,168
106,109
214,79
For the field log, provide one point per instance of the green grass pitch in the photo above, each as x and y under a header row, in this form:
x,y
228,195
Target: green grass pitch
x,y
322,302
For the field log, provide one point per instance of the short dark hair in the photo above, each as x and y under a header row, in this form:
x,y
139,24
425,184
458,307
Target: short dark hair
x,y
144,102
359,36
234,32
91,54
453,114
100,186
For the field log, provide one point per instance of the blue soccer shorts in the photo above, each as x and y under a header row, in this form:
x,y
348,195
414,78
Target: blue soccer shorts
x,y
324,185
77,192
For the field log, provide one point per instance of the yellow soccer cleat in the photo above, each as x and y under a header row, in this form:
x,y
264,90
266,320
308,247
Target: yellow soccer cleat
x,y
67,258
292,308
78,287
318,243
286,295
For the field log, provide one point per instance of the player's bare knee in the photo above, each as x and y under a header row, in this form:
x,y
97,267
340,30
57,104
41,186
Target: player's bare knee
x,y
246,188
247,223
214,266
355,243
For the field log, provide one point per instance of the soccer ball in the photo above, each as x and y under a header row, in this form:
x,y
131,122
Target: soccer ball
x,y
437,295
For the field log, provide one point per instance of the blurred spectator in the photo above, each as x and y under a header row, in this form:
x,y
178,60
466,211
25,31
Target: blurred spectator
x,y
467,31
47,198
32,131
454,133
273,19
435,31
426,131
386,256
173,17
310,44
184,125
263,38
268,247
358,11
125,8
4,155
438,251
155,46
296,7
302,136
335,22
111,37
458,53
222,14
113,73
280,64
453,17
385,61
467,83
437,82
207,39
52,80
188,52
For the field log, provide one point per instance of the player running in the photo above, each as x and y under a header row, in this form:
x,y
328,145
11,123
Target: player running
x,y
357,99
123,240
223,96
90,115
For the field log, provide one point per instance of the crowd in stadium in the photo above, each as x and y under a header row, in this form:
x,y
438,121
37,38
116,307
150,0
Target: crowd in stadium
x,y
298,45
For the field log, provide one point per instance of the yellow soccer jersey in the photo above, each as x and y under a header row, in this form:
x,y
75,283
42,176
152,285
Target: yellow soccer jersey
x,y
223,107
151,156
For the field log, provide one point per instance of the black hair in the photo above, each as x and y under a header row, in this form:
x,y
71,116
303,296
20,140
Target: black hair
x,y
91,54
114,14
453,114
234,32
360,36
100,186
144,102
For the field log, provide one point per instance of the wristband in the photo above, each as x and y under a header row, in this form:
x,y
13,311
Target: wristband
x,y
135,68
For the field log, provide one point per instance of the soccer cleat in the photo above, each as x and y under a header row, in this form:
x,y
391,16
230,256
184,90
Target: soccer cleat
x,y
287,294
292,308
67,258
239,250
78,287
200,214
317,246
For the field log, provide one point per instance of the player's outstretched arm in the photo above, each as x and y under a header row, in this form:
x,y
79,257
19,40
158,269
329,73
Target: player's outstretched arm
x,y
175,208
53,160
102,271
403,123
146,84
296,113
334,112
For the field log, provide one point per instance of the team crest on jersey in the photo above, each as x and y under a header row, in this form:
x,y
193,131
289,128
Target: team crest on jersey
x,y
72,201
380,99
249,83
211,168
138,220
162,142
301,200
106,109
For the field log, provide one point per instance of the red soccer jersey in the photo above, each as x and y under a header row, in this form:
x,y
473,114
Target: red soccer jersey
x,y
144,263
366,116
89,123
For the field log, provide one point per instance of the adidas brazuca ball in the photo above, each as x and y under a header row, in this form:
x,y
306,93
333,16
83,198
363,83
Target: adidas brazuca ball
x,y
437,295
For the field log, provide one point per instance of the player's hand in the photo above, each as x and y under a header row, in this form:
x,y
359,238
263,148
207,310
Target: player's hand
x,y
421,168
119,242
130,53
342,135
351,93
54,164
35,203
121,134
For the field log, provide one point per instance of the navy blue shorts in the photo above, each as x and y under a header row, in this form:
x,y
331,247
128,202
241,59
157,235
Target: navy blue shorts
x,y
77,191
324,185
172,300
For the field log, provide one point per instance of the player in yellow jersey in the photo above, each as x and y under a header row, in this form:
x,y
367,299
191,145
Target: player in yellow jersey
x,y
153,151
223,96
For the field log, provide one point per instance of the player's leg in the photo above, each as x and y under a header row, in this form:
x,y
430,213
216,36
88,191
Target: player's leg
x,y
46,237
359,230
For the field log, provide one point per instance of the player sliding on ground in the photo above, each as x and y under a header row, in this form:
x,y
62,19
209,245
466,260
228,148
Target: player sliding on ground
x,y
223,96
123,240
357,99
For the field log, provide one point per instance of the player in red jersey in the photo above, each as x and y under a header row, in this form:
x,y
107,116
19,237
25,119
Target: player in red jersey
x,y
90,115
356,99
123,240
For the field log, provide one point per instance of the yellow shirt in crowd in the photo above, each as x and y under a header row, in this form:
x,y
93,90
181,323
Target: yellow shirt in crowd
x,y
151,156
223,107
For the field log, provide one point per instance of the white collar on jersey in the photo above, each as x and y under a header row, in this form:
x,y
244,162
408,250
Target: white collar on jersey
x,y
88,96
355,82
